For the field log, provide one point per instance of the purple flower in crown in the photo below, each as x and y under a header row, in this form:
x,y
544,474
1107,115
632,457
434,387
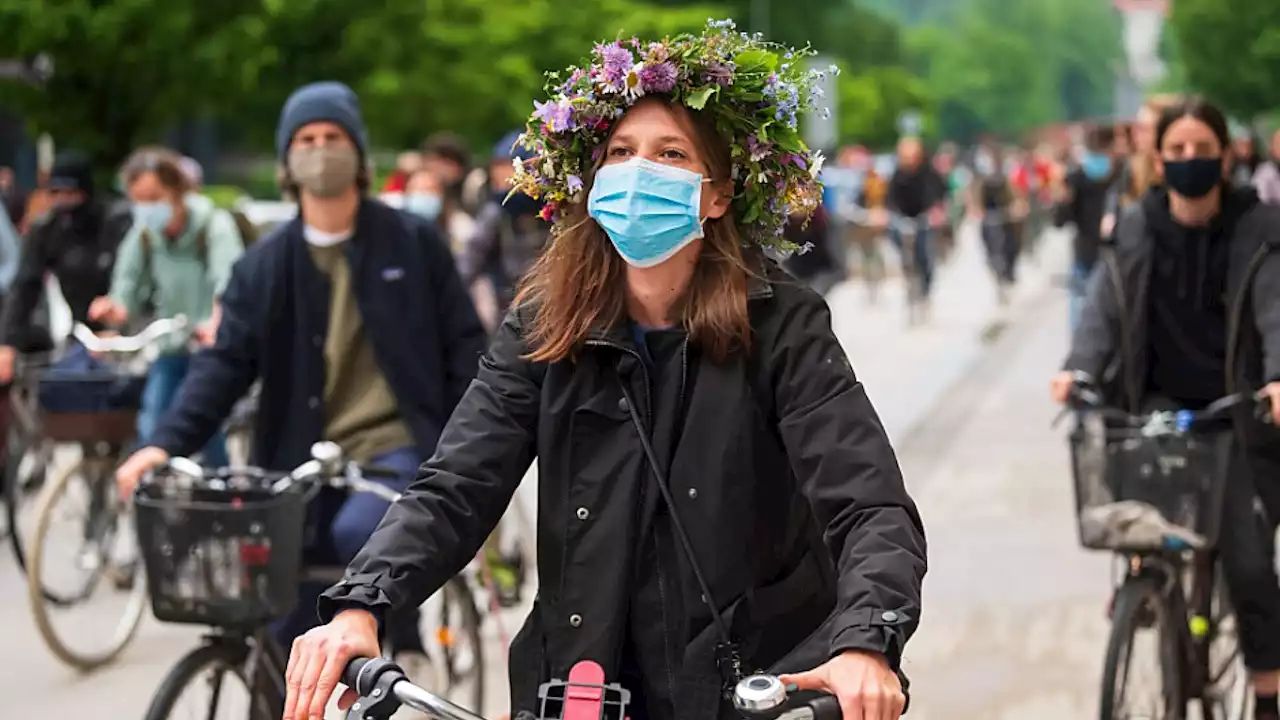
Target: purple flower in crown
x,y
720,73
556,115
660,78
617,61
574,183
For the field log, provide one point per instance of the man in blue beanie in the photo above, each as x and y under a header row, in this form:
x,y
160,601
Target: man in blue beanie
x,y
353,318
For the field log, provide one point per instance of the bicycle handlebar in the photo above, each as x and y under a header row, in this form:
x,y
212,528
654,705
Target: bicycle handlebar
x,y
327,465
129,344
383,688
1084,395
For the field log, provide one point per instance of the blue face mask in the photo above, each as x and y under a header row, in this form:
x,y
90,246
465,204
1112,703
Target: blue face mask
x,y
1096,166
424,204
154,216
649,211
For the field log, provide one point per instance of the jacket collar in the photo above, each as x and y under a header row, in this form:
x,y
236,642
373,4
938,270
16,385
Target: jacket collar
x,y
759,287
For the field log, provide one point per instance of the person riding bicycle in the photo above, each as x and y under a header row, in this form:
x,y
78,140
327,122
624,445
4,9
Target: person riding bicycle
x,y
352,317
175,261
1187,310
1086,188
993,201
717,493
916,192
76,242
510,232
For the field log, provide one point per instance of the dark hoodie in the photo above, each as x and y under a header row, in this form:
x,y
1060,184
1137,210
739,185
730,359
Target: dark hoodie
x,y
1187,299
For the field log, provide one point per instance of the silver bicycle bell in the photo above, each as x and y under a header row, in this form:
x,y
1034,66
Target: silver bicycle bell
x,y
759,693
328,454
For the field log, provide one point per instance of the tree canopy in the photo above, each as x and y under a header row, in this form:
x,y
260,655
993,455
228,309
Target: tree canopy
x,y
1228,50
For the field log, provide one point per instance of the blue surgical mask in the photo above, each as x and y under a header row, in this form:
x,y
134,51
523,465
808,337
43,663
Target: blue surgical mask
x,y
1096,166
649,211
154,216
425,204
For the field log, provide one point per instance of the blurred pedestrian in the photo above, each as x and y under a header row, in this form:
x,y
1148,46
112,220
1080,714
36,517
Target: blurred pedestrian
x,y
1085,202
1267,176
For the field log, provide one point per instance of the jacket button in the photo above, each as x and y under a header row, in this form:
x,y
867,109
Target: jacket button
x,y
623,405
318,341
313,403
575,620
583,513
693,493
889,616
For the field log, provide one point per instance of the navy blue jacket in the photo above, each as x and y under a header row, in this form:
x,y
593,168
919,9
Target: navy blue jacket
x,y
275,315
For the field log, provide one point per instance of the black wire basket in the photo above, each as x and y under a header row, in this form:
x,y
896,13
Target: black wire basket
x,y
1180,476
220,558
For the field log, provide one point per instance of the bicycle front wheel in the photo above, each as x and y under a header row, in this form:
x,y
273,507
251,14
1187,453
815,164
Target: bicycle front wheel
x,y
83,552
210,683
24,471
1142,676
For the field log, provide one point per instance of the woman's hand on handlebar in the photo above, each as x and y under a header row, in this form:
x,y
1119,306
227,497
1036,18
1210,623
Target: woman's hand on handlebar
x,y
1060,386
140,463
318,659
107,311
868,689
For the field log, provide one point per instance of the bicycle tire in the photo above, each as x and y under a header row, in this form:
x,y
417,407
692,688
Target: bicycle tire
x,y
1231,700
14,498
188,670
1136,598
457,596
38,595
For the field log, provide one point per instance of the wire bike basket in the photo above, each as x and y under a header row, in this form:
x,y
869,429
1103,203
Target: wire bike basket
x,y
1142,491
220,557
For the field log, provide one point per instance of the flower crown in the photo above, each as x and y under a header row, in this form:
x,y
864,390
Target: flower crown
x,y
753,90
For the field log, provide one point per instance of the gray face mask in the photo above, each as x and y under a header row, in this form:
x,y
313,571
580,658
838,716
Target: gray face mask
x,y
324,171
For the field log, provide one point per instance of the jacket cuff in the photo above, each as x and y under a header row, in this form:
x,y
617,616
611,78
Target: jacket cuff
x,y
873,630
360,591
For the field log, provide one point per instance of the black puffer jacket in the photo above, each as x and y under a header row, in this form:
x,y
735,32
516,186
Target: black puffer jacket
x,y
783,477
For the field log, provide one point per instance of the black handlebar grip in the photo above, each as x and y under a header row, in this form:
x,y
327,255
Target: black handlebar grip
x,y
373,472
362,673
826,707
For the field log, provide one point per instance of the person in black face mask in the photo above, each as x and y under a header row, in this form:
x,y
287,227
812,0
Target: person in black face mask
x,y
1187,312
76,240
510,232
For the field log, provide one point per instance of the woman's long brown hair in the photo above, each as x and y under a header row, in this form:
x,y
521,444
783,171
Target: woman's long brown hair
x,y
579,283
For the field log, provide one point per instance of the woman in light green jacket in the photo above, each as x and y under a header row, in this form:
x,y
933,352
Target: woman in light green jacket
x,y
175,261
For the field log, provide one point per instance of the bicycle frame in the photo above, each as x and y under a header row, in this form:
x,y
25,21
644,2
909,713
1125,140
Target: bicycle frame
x,y
1194,605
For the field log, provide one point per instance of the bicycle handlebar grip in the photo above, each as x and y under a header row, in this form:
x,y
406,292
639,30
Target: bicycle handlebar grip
x,y
826,707
360,674
373,472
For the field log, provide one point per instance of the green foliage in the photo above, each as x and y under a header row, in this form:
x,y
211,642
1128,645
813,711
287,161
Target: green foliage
x,y
871,101
1230,52
1005,67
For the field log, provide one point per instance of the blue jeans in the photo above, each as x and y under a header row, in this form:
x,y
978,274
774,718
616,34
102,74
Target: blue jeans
x,y
922,251
1079,283
346,520
163,381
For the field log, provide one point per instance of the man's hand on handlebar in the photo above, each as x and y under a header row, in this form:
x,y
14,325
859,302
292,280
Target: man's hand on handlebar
x,y
1271,391
863,682
1060,386
8,358
318,659
108,312
140,463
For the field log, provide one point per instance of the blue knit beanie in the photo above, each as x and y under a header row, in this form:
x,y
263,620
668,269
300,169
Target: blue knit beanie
x,y
321,102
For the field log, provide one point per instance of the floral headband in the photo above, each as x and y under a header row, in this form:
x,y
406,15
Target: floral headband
x,y
753,90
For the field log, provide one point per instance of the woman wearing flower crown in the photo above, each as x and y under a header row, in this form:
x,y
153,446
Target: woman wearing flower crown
x,y
717,495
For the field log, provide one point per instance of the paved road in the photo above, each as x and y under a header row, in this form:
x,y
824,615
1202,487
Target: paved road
x,y
1015,611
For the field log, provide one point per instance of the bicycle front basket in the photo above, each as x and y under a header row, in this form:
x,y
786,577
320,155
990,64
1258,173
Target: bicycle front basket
x,y
220,558
1137,493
